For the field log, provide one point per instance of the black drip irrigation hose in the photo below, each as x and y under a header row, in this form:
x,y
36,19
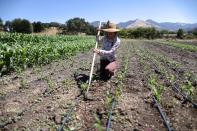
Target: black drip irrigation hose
x,y
160,111
176,87
162,115
110,115
66,118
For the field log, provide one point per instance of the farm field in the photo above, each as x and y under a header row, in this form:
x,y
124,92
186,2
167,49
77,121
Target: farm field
x,y
43,81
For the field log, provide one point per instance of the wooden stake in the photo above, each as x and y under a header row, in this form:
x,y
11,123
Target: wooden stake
x,y
94,56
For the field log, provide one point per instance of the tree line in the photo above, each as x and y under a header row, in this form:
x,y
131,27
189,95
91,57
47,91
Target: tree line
x,y
152,33
79,25
72,26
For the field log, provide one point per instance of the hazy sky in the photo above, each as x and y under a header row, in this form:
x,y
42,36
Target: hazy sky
x,y
101,10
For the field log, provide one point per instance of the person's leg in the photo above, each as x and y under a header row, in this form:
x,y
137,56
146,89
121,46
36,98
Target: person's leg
x,y
103,71
112,67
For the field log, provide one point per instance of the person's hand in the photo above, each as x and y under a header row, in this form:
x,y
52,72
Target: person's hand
x,y
96,51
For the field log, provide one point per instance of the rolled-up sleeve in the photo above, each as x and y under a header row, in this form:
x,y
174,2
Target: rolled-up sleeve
x,y
113,49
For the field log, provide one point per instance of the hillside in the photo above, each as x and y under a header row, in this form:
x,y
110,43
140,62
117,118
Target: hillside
x,y
151,23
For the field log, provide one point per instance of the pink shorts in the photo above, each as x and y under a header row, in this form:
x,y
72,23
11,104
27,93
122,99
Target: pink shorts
x,y
112,66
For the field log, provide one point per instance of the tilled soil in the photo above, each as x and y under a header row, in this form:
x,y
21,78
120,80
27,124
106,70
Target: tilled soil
x,y
39,98
185,57
135,110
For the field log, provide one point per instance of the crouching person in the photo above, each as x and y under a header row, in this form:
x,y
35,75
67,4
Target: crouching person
x,y
108,60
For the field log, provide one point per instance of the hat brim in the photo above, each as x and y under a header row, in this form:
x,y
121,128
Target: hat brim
x,y
111,30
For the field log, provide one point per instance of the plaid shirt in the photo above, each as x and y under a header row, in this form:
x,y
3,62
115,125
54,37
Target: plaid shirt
x,y
108,48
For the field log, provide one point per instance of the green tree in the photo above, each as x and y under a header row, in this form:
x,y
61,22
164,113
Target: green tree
x,y
180,34
38,26
148,33
137,33
123,33
151,33
22,26
194,31
46,25
54,24
1,24
77,25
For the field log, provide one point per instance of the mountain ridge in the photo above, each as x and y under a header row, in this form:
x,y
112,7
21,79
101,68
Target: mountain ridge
x,y
170,26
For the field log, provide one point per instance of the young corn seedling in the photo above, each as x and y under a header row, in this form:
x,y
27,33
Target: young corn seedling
x,y
188,88
39,73
18,71
23,84
84,87
50,87
108,100
171,78
67,84
156,88
97,123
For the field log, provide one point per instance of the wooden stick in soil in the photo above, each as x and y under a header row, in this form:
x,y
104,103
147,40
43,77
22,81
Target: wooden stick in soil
x,y
92,67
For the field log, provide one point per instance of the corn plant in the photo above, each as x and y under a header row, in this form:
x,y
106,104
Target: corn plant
x,y
156,88
50,86
97,123
84,87
23,50
23,84
188,88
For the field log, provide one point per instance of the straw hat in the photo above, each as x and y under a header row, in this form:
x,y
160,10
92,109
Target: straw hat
x,y
111,27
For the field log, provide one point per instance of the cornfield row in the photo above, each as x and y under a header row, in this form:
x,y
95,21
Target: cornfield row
x,y
22,51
